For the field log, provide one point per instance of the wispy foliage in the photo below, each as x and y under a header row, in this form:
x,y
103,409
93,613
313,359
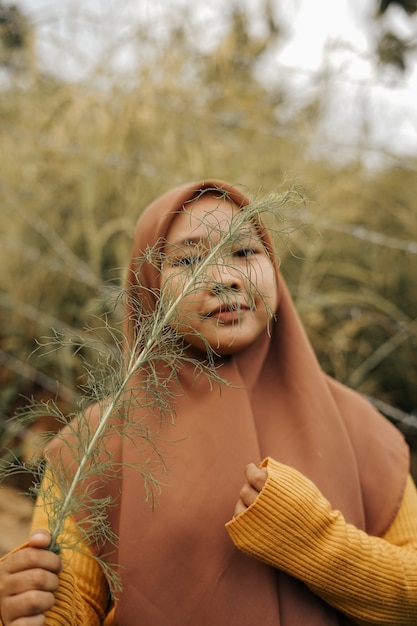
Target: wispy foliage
x,y
82,162
136,375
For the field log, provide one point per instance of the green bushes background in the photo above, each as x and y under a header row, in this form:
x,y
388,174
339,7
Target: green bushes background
x,y
80,161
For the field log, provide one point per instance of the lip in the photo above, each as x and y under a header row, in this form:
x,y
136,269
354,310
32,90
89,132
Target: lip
x,y
230,314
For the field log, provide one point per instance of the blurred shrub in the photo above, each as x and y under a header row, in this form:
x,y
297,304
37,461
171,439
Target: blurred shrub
x,y
83,161
353,279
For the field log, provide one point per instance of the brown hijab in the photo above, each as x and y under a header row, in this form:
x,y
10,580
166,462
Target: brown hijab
x,y
178,565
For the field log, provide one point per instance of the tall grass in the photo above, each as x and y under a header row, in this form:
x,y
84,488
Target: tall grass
x,y
82,162
123,385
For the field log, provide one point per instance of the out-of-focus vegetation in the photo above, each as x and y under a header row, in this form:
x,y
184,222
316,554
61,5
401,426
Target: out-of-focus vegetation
x,y
392,48
80,162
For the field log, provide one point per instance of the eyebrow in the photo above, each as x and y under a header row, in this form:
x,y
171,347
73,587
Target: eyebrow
x,y
202,240
186,241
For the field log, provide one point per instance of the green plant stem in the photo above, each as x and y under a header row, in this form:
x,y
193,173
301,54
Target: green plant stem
x,y
135,364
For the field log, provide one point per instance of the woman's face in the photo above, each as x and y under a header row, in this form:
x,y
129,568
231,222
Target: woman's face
x,y
231,305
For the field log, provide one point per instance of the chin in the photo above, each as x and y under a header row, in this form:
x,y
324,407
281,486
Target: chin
x,y
231,348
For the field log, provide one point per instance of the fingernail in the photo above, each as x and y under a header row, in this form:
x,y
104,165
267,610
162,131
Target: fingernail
x,y
39,533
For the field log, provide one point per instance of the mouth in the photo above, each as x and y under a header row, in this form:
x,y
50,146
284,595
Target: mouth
x,y
228,314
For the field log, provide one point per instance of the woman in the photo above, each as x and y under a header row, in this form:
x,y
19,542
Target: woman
x,y
331,514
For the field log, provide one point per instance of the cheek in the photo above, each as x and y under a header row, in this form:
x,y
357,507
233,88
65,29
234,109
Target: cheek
x,y
266,283
273,294
172,287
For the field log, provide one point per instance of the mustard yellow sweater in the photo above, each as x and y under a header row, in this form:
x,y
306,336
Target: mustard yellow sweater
x,y
373,580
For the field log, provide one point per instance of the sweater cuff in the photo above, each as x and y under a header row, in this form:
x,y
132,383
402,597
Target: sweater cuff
x,y
288,511
67,607
63,612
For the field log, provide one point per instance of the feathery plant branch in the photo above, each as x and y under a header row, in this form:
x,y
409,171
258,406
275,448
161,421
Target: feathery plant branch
x,y
358,231
115,383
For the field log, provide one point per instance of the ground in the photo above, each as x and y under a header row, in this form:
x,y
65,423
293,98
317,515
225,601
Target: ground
x,y
15,516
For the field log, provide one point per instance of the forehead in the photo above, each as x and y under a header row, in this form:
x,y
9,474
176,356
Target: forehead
x,y
201,218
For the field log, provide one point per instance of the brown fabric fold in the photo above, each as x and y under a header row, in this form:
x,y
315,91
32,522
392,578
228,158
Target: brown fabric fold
x,y
179,567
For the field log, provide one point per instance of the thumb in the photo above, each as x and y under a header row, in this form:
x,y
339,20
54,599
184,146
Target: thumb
x,y
40,538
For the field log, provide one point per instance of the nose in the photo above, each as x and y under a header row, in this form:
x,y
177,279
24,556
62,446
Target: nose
x,y
220,288
225,277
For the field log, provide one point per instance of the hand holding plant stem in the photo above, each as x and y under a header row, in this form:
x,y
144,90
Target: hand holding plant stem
x,y
154,342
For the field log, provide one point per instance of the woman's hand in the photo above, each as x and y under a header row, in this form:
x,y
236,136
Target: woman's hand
x,y
28,579
255,478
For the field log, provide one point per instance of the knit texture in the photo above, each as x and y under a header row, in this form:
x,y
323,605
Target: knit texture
x,y
293,527
82,598
83,594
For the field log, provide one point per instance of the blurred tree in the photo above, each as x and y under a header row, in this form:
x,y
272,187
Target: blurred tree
x,y
410,6
16,40
13,27
240,47
83,161
391,48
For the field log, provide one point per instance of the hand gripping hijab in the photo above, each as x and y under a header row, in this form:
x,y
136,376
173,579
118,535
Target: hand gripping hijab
x,y
178,564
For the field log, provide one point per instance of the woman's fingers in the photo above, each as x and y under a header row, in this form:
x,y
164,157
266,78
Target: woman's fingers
x,y
256,477
28,579
239,508
40,538
28,606
250,490
35,579
29,559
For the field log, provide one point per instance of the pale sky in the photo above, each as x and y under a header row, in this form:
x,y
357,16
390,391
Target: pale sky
x,y
329,38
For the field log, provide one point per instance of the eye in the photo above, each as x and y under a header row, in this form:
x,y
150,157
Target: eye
x,y
187,261
244,253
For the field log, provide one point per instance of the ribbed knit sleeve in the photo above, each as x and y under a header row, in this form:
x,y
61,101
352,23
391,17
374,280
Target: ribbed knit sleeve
x,y
293,527
83,594
77,600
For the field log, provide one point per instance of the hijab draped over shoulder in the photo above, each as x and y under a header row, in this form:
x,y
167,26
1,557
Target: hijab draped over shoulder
x,y
177,562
